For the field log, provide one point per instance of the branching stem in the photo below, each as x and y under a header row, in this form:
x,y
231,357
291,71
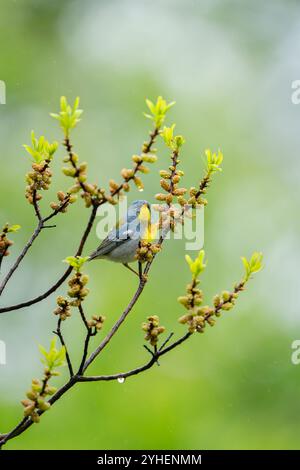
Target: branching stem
x,y
65,275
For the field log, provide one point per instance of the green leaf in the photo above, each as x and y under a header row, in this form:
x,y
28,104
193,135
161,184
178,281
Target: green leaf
x,y
158,110
54,357
198,265
214,161
76,261
41,149
189,261
43,350
14,228
69,116
150,106
254,265
179,140
171,141
167,134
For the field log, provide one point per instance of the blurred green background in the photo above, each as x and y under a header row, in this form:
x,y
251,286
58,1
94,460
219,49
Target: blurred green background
x,y
229,65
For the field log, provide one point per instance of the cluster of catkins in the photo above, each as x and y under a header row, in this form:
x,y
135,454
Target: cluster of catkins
x,y
5,243
152,329
146,251
78,171
36,397
63,308
64,199
37,179
196,198
169,183
227,299
170,215
197,316
77,292
96,322
130,174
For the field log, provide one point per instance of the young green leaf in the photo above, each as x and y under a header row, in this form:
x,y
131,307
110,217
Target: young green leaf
x,y
41,149
13,228
254,265
76,261
158,110
214,161
198,265
171,141
54,357
69,116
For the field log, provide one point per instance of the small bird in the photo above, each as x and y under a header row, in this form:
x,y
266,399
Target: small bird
x,y
122,242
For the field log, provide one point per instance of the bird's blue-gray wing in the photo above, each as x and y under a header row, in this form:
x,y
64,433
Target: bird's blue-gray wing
x,y
115,239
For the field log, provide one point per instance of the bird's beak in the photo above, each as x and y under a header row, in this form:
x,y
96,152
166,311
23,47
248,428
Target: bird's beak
x,y
144,214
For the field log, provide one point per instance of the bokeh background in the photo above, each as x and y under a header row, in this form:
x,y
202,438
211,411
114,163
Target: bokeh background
x,y
229,65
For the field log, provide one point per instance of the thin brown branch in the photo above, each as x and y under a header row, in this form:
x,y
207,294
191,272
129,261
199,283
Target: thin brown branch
x,y
84,365
147,147
89,334
21,256
36,233
137,370
36,206
166,341
117,325
41,225
65,275
83,317
143,280
153,134
69,146
61,338
2,256
60,208
25,423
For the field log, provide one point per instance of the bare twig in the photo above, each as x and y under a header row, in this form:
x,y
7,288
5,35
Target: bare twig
x,y
116,326
36,206
25,423
65,275
166,341
137,370
59,209
21,256
61,338
83,317
146,149
89,334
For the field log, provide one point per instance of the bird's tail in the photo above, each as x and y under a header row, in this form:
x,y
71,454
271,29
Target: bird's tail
x,y
94,255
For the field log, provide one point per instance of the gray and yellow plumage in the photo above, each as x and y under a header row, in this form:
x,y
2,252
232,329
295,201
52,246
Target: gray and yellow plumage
x,y
121,243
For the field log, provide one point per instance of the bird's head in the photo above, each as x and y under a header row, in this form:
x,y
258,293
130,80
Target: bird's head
x,y
140,209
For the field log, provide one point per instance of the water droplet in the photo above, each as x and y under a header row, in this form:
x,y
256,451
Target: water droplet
x,y
121,380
